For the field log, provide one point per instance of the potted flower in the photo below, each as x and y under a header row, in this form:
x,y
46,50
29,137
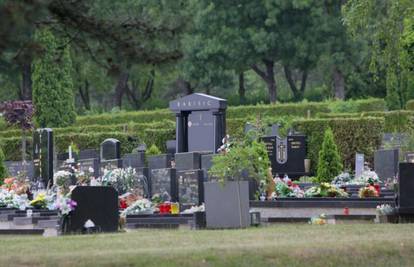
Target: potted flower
x,y
227,198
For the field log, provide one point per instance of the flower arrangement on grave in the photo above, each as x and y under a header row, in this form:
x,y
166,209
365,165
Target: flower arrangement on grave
x,y
18,186
64,204
325,190
194,209
367,176
286,188
84,177
368,191
141,206
42,201
123,180
127,199
344,178
318,220
385,209
63,179
9,199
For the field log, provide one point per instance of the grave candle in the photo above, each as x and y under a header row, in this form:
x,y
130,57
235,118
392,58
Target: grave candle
x,y
70,152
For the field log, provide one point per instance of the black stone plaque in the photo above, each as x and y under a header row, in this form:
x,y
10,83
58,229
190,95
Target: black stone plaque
x,y
134,160
86,164
405,200
287,155
96,203
206,164
89,154
159,161
190,187
16,168
43,155
200,122
110,149
143,182
164,184
386,163
188,161
110,165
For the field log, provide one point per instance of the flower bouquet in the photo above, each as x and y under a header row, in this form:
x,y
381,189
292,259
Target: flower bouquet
x,y
325,190
141,206
123,180
368,191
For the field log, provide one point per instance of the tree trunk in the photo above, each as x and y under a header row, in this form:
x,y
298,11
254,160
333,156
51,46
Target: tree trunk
x,y
297,93
137,97
120,88
339,83
268,75
26,88
242,89
84,94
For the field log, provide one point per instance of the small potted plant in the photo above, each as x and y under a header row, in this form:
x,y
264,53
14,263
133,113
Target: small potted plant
x,y
227,198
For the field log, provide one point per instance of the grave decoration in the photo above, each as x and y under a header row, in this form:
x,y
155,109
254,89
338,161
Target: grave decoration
x,y
43,156
287,155
325,190
200,122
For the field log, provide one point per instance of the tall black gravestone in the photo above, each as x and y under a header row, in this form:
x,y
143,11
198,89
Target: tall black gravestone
x,y
164,184
110,149
191,187
96,203
287,155
200,122
43,155
405,199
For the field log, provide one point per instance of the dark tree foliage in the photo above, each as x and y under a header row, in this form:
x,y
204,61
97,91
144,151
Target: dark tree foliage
x,y
19,113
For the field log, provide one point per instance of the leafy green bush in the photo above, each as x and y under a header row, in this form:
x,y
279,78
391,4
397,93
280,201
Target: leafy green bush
x,y
329,161
3,168
52,82
153,150
410,104
351,135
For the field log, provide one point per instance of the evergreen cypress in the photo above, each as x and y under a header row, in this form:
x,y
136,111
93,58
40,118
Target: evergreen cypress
x,y
52,83
329,163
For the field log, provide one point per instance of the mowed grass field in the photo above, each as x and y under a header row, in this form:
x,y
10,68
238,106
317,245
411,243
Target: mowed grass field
x,y
280,245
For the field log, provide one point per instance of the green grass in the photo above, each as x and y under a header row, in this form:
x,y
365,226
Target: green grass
x,y
282,245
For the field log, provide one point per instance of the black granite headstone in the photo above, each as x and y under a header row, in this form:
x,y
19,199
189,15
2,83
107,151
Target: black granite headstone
x,y
164,184
16,168
89,154
144,182
200,122
287,155
405,199
171,146
386,163
190,187
188,161
110,149
96,203
86,164
206,164
110,165
43,155
159,161
134,160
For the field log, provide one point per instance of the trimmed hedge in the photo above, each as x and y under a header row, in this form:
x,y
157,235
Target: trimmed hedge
x,y
126,127
361,105
395,121
129,141
352,135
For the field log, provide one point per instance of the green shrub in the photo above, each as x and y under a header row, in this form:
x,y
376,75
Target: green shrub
x,y
52,82
3,168
410,104
363,135
329,161
153,150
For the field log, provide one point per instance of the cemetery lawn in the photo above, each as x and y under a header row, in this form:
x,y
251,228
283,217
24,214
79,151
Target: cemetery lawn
x,y
280,245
